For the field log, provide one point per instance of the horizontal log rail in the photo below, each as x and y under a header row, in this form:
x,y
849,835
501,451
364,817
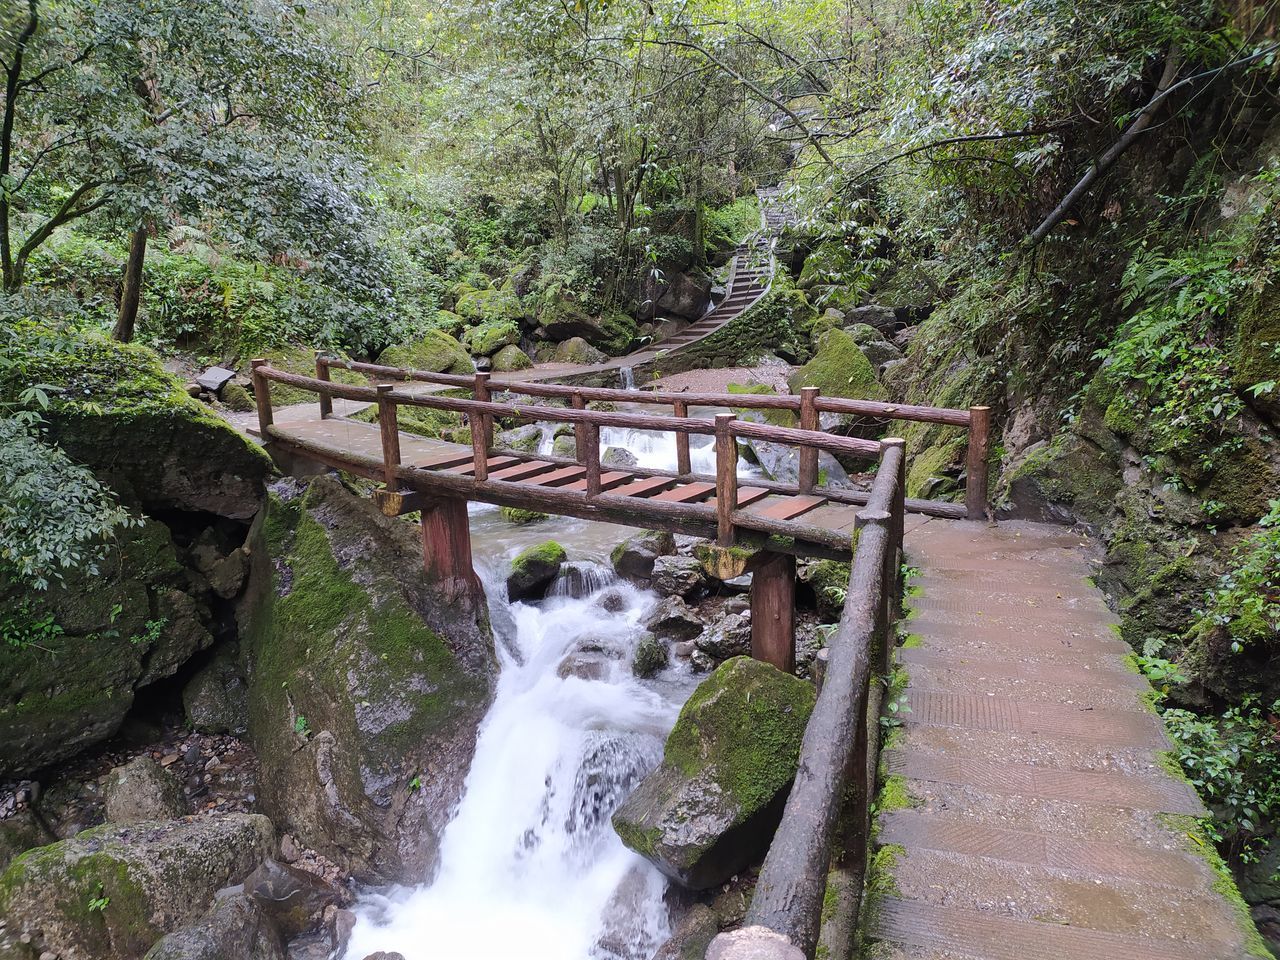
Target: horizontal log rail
x,y
840,742
723,515
808,406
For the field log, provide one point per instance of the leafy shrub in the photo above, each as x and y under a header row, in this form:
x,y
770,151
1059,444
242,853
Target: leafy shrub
x,y
1232,761
1246,601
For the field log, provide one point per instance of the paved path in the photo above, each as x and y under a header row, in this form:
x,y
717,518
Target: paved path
x,y
1040,824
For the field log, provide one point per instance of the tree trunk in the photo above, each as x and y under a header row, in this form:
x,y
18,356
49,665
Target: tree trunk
x,y
131,295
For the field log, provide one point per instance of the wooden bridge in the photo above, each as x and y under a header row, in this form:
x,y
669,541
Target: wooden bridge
x,y
1033,816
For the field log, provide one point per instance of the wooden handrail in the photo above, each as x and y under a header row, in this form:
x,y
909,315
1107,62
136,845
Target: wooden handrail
x,y
789,893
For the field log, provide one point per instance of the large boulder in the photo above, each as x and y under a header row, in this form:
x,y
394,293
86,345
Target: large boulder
x,y
633,559
612,331
236,928
873,344
435,351
511,358
111,892
107,634
729,636
488,338
292,897
840,369
143,790
216,698
577,350
533,571
366,682
677,576
671,619
681,295
114,409
20,832
711,806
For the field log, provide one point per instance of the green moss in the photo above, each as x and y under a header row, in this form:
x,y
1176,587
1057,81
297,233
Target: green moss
x,y
487,307
1196,841
913,641
488,338
1256,356
511,358
549,553
1242,483
237,398
650,657
517,516
743,724
880,879
779,418
839,368
435,351
642,841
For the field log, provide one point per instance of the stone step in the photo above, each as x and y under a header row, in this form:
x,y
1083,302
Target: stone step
x,y
1088,669
976,678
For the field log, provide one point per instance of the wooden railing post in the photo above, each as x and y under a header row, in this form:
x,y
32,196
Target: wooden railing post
x,y
389,428
975,494
580,430
479,450
484,394
590,444
322,373
726,478
261,396
684,467
808,455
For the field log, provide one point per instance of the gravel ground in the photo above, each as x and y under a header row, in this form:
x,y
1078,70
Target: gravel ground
x,y
717,381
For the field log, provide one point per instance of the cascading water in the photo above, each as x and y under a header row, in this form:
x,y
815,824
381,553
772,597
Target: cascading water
x,y
628,378
529,866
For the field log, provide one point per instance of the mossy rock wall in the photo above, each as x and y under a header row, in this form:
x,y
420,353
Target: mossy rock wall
x,y
366,685
136,621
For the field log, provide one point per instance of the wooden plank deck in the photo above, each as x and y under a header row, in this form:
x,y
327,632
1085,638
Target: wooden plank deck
x,y
632,496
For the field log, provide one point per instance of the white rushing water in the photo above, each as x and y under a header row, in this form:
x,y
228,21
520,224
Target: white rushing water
x,y
529,865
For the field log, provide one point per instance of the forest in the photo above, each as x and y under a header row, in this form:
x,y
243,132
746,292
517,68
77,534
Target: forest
x,y
223,670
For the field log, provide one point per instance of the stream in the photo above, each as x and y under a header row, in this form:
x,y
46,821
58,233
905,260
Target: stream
x,y
529,865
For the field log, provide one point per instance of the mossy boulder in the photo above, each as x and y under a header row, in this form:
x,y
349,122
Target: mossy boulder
x,y
521,517
488,338
873,344
235,928
488,306
839,368
236,398
634,557
511,358
117,411
577,350
533,570
143,790
711,807
216,698
435,352
114,632
367,681
611,331
111,892
650,656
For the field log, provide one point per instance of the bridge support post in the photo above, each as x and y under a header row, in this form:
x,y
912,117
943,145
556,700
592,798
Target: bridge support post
x,y
773,611
975,491
446,549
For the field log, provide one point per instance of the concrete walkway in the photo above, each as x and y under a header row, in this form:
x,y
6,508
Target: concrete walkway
x,y
1041,822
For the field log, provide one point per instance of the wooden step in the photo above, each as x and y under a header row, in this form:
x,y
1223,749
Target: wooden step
x,y
558,477
788,507
643,487
686,492
494,463
522,470
746,496
607,481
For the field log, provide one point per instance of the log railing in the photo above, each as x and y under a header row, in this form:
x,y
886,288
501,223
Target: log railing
x,y
839,742
724,514
808,408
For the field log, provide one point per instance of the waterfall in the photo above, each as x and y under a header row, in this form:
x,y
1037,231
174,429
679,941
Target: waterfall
x,y
529,866
628,378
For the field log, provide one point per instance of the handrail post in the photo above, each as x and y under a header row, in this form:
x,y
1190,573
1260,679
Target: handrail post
x,y
261,396
322,373
483,393
580,430
726,478
389,428
684,466
808,455
591,441
894,554
975,494
479,452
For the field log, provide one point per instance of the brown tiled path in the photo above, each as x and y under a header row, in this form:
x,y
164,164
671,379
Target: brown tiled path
x,y
1042,825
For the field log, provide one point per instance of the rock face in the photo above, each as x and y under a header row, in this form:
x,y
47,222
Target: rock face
x,y
365,685
143,790
633,559
293,898
711,807
216,699
533,570
111,892
611,331
235,929
678,295
677,576
136,622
